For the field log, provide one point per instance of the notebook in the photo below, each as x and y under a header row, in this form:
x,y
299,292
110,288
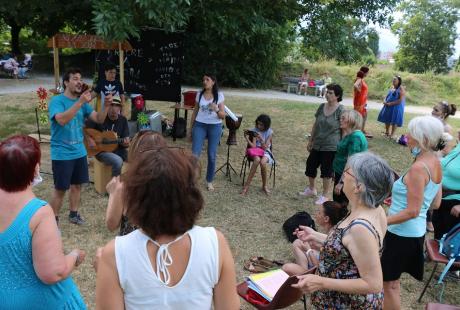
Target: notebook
x,y
268,283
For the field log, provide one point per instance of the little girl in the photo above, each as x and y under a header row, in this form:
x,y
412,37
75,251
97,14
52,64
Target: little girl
x,y
260,137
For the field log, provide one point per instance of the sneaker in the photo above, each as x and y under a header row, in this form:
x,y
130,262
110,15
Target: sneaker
x,y
308,192
321,200
77,219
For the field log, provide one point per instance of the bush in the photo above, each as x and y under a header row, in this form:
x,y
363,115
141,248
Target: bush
x,y
421,89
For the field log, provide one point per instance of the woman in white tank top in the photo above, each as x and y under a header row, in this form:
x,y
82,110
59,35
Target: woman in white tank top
x,y
168,263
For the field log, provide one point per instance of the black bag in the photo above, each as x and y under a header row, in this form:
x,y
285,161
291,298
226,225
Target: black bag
x,y
300,218
180,128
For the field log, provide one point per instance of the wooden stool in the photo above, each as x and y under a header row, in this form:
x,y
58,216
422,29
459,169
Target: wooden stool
x,y
102,175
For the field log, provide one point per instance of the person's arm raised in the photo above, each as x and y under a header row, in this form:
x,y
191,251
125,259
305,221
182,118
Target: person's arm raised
x,y
64,117
225,295
115,205
50,263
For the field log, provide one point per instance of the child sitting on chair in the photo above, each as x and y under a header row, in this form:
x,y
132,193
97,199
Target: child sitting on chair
x,y
307,252
259,150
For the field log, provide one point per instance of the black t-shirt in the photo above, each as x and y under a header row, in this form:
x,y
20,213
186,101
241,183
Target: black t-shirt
x,y
120,126
109,87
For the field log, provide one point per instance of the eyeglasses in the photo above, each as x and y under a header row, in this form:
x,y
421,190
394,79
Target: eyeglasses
x,y
346,171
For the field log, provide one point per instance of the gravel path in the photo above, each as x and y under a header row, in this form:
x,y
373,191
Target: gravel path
x,y
11,86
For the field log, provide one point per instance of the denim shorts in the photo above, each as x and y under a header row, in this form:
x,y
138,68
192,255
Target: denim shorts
x,y
67,172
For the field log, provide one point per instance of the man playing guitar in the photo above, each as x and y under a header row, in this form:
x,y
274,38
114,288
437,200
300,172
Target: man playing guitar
x,y
118,124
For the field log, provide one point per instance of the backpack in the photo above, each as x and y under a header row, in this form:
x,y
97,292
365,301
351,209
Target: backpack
x,y
300,218
449,246
179,128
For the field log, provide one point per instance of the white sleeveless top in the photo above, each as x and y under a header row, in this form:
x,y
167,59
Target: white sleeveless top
x,y
143,289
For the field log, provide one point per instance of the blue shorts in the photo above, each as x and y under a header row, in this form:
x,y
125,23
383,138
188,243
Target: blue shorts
x,y
67,172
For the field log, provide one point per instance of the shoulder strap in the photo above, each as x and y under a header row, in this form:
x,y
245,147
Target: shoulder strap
x,y
427,169
201,95
368,225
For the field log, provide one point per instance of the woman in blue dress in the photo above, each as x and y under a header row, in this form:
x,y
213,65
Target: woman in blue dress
x,y
34,271
392,113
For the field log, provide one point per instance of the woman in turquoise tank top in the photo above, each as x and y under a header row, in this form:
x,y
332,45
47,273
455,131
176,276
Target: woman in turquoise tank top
x,y
412,195
34,272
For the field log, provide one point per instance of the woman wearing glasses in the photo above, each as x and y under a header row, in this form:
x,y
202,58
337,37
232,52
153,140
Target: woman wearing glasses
x,y
349,275
392,113
168,262
412,195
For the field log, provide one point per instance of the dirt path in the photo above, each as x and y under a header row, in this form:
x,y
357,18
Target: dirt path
x,y
11,86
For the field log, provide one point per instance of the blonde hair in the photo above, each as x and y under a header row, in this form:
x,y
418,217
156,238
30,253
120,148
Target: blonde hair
x,y
146,139
353,118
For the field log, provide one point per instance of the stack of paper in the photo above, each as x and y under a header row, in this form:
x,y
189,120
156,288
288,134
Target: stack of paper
x,y
268,283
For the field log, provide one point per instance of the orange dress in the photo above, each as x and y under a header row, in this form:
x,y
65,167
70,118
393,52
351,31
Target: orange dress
x,y
360,99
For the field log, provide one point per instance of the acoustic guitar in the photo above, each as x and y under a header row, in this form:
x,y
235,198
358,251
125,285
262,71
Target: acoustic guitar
x,y
106,141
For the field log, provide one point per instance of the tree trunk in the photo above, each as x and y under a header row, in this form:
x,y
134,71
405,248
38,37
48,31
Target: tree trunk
x,y
15,29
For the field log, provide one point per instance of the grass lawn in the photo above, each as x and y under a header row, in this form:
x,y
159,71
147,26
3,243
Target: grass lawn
x,y
252,224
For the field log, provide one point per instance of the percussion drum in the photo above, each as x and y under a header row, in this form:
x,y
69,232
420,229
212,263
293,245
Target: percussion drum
x,y
232,128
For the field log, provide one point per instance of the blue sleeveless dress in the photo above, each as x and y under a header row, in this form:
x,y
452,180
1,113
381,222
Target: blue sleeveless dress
x,y
395,114
20,288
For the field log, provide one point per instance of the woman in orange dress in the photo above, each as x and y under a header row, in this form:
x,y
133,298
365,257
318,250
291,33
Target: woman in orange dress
x,y
360,96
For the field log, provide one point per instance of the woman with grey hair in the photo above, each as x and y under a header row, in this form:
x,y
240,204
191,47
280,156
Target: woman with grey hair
x,y
412,195
349,274
353,141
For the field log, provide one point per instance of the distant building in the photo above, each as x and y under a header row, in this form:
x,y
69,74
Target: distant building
x,y
387,56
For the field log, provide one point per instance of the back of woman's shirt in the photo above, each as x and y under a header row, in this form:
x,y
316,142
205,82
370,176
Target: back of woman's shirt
x,y
141,286
20,288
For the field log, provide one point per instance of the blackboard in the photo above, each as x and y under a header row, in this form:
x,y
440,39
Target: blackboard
x,y
154,67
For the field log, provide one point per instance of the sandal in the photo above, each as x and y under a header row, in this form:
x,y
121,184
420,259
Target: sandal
x,y
259,260
210,187
254,268
244,191
266,191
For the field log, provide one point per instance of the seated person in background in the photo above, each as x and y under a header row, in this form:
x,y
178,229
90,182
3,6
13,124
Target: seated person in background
x,y
169,262
303,83
109,85
24,66
321,88
12,65
307,252
119,124
116,209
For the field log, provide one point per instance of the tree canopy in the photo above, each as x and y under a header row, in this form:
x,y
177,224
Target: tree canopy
x,y
243,42
427,33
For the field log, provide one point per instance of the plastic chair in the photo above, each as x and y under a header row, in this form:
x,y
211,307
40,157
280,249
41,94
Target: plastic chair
x,y
286,295
432,251
246,164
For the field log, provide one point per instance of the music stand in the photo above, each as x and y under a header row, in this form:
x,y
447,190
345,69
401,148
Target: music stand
x,y
231,140
228,166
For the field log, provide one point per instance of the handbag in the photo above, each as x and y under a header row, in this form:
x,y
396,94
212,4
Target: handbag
x,y
255,151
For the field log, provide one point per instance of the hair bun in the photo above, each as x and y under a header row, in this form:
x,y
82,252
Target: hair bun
x,y
453,109
446,137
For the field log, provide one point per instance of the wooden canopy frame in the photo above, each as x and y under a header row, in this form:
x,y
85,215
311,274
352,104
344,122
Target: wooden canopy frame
x,y
62,40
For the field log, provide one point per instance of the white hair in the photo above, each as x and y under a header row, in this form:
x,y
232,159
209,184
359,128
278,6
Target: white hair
x,y
427,131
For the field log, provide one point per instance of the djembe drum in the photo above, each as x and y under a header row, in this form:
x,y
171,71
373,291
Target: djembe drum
x,y
232,128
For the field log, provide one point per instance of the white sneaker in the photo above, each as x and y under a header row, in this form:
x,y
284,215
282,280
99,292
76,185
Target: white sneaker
x,y
321,200
308,192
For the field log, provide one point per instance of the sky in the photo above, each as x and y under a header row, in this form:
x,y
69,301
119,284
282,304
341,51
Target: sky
x,y
389,42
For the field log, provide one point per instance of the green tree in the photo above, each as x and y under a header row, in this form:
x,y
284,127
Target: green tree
x,y
427,34
348,41
44,17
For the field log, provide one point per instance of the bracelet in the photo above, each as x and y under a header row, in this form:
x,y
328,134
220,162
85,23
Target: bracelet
x,y
308,252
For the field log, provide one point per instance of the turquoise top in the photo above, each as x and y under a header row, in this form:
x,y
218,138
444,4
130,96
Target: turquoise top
x,y
353,143
20,288
67,140
415,227
451,172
